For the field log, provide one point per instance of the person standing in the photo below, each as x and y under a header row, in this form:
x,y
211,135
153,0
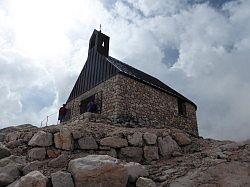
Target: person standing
x,y
62,113
92,107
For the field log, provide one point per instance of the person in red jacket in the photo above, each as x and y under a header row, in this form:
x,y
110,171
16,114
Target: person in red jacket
x,y
62,113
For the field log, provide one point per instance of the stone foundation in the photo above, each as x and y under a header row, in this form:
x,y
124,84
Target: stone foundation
x,y
84,137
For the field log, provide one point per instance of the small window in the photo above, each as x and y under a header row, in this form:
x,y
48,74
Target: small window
x,y
84,103
182,107
97,98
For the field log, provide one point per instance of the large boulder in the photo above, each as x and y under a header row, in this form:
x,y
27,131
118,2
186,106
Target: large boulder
x,y
135,170
151,153
41,138
135,139
4,152
150,138
167,146
181,138
11,169
114,142
98,170
62,178
37,154
64,139
87,142
131,154
32,179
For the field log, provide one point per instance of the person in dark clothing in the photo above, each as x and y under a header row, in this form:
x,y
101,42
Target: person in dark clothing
x,y
91,107
62,113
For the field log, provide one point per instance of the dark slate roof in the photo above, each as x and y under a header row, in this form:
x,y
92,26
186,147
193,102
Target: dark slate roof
x,y
145,78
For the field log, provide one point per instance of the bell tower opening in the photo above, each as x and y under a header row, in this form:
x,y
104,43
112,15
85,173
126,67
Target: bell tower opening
x,y
100,43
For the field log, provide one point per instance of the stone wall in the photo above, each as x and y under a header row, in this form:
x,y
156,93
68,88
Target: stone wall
x,y
83,137
84,153
126,101
152,107
108,90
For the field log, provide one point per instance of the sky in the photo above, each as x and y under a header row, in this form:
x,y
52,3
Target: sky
x,y
201,48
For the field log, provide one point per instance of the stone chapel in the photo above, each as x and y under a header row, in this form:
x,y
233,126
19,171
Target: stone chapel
x,y
127,95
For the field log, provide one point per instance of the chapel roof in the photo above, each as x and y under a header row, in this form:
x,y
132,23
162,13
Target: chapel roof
x,y
145,78
99,67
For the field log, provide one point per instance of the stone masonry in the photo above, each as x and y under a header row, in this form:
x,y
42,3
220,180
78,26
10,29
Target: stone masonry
x,y
127,101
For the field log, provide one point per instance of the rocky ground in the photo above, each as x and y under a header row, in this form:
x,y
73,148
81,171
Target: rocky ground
x,y
90,151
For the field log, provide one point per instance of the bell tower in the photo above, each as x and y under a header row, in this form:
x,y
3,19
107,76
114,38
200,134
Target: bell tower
x,y
99,42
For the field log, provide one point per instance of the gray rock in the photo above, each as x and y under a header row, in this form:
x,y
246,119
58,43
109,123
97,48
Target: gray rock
x,y
12,136
135,170
98,170
32,166
229,147
13,184
14,144
181,138
131,154
59,162
2,137
151,153
79,133
11,169
27,136
4,152
61,178
87,143
37,154
220,155
149,138
145,182
167,146
41,138
32,179
19,160
114,142
6,179
64,139
135,139
223,174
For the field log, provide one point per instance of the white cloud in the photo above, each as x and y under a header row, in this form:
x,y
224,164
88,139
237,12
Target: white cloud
x,y
160,7
44,46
